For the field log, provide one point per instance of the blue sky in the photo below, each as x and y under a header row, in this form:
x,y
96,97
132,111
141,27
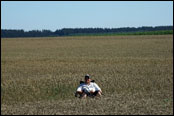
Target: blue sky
x,y
31,15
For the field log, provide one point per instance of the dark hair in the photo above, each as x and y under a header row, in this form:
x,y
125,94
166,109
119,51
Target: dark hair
x,y
87,77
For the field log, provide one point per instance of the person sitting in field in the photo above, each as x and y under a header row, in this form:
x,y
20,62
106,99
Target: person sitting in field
x,y
88,88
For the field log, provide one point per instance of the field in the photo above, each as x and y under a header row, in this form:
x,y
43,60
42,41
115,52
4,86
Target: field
x,y
40,75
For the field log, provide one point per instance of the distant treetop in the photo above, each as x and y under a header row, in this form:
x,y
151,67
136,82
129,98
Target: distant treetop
x,y
10,33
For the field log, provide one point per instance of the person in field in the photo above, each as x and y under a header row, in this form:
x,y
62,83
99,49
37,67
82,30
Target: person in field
x,y
88,88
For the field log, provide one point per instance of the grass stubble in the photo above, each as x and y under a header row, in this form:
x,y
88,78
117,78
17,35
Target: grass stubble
x,y
40,75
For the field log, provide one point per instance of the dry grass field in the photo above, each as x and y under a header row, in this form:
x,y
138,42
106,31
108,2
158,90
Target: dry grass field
x,y
40,75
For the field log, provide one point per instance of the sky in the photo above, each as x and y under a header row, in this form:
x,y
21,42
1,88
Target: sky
x,y
53,15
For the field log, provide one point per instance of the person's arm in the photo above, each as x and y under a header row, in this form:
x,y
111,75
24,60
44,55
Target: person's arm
x,y
79,90
97,87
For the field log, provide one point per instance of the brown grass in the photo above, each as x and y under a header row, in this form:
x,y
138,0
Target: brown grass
x,y
40,75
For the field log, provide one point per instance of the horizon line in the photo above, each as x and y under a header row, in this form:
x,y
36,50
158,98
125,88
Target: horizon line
x,y
87,28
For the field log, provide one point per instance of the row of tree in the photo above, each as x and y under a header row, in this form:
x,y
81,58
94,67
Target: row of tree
x,y
7,33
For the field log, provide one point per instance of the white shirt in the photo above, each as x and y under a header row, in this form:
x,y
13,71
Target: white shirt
x,y
91,87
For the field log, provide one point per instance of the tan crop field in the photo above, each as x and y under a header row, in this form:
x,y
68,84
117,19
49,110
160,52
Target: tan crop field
x,y
40,75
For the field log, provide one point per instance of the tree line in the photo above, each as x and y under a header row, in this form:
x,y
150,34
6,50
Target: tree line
x,y
10,33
